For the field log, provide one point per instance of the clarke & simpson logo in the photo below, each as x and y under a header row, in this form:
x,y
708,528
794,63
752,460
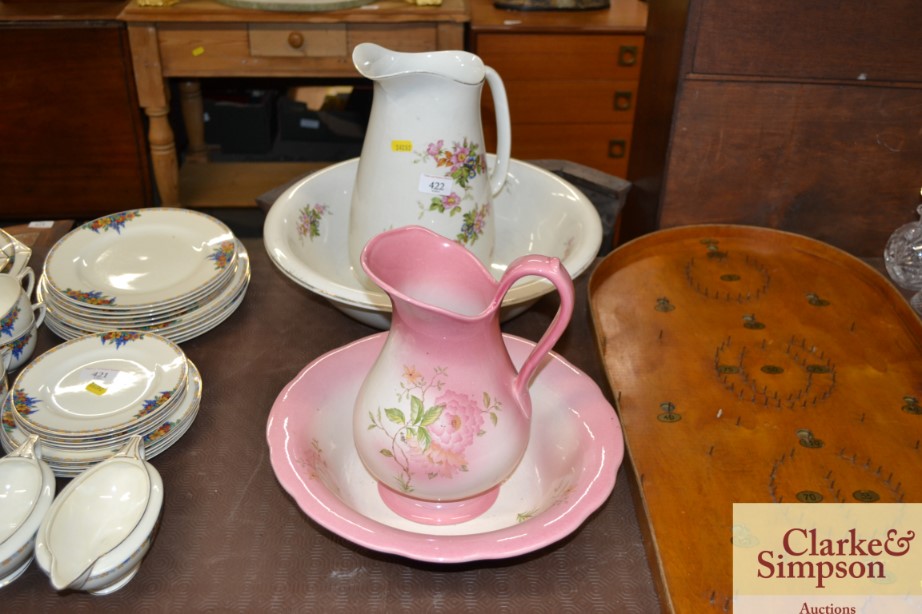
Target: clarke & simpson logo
x,y
827,558
804,555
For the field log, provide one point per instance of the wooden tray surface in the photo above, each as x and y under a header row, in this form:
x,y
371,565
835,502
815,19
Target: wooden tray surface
x,y
753,365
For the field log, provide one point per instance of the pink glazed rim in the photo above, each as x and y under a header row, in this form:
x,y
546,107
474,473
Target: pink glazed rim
x,y
312,416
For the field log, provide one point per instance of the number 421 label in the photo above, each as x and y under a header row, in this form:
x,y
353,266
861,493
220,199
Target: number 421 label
x,y
98,378
432,184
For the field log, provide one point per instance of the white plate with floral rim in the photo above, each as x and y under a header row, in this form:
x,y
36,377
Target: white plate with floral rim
x,y
67,310
156,439
98,383
163,406
193,317
124,318
178,336
141,258
306,234
568,470
96,440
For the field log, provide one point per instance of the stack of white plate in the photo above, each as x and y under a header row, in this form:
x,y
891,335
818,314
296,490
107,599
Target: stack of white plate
x,y
86,397
177,272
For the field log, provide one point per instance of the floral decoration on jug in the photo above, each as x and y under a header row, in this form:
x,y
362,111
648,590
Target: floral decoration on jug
x,y
463,162
432,440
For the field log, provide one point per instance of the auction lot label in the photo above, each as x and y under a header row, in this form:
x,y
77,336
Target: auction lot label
x,y
827,558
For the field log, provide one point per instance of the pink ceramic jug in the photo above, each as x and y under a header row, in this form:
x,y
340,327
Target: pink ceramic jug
x,y
443,417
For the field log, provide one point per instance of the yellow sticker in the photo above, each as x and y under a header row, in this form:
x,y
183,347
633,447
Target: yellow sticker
x,y
198,51
402,146
96,389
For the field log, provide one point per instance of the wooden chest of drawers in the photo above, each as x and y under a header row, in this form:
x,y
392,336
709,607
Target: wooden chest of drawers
x,y
797,116
571,79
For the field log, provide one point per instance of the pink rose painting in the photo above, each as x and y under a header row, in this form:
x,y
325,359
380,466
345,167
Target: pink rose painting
x,y
430,442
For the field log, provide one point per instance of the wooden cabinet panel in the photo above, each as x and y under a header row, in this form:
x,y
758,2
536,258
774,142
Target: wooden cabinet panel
x,y
570,77
71,137
235,49
847,40
832,162
605,147
548,102
411,37
562,56
761,117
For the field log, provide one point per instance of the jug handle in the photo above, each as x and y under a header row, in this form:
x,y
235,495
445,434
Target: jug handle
x,y
552,270
503,130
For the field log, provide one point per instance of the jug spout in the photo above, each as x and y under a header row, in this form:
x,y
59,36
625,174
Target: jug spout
x,y
376,63
424,271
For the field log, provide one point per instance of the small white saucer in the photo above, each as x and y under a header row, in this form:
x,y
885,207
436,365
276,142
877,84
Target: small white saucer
x,y
567,472
306,233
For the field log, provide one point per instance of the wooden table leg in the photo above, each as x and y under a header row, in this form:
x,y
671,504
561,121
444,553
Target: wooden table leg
x,y
163,155
193,111
154,97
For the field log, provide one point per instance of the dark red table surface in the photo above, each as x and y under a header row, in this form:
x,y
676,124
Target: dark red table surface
x,y
231,539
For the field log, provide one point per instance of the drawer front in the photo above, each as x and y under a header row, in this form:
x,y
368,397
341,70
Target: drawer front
x,y
605,147
548,102
280,49
852,41
309,41
562,56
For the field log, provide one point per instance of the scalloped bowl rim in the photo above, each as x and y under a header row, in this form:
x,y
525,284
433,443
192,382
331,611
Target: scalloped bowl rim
x,y
599,457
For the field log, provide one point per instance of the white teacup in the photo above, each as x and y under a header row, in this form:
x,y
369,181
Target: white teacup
x,y
17,314
21,348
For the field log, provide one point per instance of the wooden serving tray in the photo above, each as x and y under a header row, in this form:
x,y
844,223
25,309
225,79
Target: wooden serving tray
x,y
753,365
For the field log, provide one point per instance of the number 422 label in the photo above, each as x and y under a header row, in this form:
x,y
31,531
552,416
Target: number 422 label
x,y
432,184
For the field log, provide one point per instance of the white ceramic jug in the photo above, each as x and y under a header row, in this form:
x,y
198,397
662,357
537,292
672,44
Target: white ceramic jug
x,y
423,161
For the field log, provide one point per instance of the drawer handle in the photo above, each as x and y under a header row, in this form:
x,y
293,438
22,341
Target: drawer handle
x,y
627,55
296,40
617,148
623,101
